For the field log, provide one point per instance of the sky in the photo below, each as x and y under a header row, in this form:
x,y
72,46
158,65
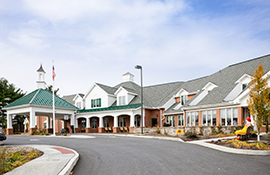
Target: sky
x,y
100,40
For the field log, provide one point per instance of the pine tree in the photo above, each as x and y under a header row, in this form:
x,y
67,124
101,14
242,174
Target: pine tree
x,y
258,102
8,94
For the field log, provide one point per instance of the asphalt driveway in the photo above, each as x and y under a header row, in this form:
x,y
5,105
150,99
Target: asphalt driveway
x,y
122,155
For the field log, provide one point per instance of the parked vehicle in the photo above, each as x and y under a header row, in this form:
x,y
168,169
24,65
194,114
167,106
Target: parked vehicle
x,y
2,135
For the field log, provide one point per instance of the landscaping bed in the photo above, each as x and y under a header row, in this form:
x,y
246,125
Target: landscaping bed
x,y
14,156
250,144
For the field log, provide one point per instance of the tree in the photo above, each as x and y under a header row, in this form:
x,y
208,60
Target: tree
x,y
8,94
50,88
258,102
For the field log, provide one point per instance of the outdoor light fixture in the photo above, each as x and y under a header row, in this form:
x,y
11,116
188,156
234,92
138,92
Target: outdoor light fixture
x,y
140,67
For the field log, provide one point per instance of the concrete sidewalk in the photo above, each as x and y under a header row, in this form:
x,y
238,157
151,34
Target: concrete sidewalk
x,y
55,160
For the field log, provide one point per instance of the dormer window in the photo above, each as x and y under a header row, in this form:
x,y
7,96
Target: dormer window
x,y
79,105
96,102
122,100
183,99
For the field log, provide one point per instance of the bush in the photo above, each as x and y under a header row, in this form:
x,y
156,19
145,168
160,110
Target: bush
x,y
214,131
220,129
191,134
158,130
201,130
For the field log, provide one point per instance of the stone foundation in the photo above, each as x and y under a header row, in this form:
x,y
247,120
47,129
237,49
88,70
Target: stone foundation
x,y
204,130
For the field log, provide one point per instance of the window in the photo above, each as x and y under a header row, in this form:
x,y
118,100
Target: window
x,y
78,104
96,102
45,125
229,116
244,86
106,122
209,118
222,116
188,119
235,116
180,120
122,122
94,123
183,99
196,118
214,118
170,120
122,100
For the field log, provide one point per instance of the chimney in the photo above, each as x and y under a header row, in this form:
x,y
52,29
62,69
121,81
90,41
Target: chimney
x,y
128,77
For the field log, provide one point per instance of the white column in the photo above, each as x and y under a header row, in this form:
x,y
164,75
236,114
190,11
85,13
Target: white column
x,y
9,121
72,120
76,123
62,124
51,123
131,121
87,123
115,122
48,122
101,122
32,118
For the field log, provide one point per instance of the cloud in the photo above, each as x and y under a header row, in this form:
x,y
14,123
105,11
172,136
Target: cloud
x,y
98,41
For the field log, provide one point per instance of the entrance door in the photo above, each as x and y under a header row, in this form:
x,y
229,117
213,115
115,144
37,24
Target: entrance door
x,y
154,122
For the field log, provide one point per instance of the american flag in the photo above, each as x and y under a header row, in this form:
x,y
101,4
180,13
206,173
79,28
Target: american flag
x,y
53,73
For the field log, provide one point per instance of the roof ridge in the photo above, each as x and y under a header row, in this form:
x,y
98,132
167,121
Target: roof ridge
x,y
249,60
34,96
165,84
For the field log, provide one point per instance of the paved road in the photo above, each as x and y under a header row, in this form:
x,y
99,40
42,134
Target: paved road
x,y
121,155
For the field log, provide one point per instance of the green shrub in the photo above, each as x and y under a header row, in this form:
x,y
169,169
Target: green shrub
x,y
201,130
191,134
214,131
220,129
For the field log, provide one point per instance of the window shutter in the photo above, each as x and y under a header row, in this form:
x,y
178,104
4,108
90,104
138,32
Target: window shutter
x,y
100,102
92,103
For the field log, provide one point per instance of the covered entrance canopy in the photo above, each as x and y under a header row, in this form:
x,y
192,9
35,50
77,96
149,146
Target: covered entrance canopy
x,y
39,103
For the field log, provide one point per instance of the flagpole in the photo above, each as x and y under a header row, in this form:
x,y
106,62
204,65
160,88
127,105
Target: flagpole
x,y
53,104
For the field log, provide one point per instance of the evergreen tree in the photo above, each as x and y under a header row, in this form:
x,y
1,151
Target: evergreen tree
x,y
258,102
8,94
49,88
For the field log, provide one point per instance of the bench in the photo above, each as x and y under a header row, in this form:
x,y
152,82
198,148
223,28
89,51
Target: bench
x,y
246,135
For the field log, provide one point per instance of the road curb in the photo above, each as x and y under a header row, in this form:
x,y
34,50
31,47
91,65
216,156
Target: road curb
x,y
72,162
232,150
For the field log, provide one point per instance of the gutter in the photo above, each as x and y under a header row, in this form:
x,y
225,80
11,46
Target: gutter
x,y
212,105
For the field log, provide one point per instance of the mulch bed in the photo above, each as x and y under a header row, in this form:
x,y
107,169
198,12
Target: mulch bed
x,y
264,139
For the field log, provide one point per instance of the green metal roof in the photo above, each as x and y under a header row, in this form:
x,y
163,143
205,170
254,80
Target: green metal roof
x,y
41,97
111,108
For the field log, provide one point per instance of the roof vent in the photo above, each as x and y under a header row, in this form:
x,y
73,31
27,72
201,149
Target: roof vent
x,y
128,77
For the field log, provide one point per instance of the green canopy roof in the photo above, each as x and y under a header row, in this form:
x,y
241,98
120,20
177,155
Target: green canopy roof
x,y
41,97
111,108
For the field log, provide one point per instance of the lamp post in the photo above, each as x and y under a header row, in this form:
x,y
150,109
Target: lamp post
x,y
140,67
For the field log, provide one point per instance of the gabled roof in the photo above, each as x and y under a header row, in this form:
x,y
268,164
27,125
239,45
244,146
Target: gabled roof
x,y
225,79
107,89
69,98
41,97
